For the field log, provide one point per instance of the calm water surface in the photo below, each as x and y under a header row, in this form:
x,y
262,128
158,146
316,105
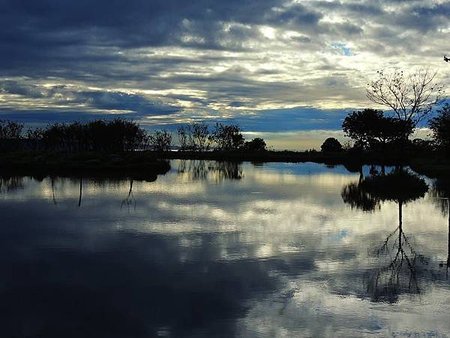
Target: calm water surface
x,y
215,249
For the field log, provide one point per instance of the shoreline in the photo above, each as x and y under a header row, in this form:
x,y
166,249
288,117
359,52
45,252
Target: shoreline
x,y
148,164
127,165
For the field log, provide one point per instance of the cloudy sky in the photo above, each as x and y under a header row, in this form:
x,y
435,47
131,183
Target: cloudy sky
x,y
284,69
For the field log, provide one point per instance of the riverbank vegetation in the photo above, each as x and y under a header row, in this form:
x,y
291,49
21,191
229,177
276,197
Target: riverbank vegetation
x,y
121,145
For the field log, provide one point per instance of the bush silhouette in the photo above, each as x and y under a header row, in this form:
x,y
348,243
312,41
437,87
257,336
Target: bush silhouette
x,y
331,145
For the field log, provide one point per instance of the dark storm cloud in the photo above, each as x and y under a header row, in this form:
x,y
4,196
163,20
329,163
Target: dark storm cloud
x,y
54,32
48,28
51,31
203,56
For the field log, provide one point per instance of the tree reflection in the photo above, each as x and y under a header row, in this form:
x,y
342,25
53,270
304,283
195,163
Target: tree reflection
x,y
398,271
355,168
224,170
129,200
217,170
80,195
448,240
358,198
196,169
441,193
399,186
84,183
53,185
10,183
398,262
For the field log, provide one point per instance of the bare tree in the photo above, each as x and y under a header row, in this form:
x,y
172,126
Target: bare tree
x,y
161,140
194,136
410,96
183,132
199,133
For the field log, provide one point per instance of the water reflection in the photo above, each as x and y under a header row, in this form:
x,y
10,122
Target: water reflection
x,y
60,185
398,272
399,185
273,253
10,183
441,195
398,261
129,200
217,170
53,183
81,192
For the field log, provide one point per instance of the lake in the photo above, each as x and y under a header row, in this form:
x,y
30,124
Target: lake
x,y
226,250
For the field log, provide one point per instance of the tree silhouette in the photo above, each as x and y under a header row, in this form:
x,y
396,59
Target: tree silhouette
x,y
255,145
227,137
400,262
160,140
331,145
10,135
117,135
411,96
194,136
369,128
440,125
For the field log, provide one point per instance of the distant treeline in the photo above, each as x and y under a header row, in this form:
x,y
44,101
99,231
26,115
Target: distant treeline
x,y
201,137
121,135
102,136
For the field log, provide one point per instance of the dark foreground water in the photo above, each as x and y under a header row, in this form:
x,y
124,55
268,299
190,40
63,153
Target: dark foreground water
x,y
215,249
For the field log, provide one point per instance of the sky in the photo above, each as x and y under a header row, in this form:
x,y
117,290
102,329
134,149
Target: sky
x,y
285,70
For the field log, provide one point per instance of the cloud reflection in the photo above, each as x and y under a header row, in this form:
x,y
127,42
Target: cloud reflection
x,y
275,253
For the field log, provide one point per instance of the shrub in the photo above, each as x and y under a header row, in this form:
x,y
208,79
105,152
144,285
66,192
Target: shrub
x,y
331,145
